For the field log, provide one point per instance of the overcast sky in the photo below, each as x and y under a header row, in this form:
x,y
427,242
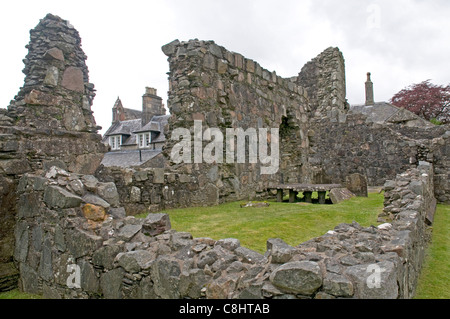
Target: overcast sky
x,y
400,42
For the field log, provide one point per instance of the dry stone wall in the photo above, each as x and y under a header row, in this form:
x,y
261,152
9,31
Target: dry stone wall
x,y
378,151
144,190
74,241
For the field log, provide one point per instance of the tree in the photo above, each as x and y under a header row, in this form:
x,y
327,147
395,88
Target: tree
x,y
429,101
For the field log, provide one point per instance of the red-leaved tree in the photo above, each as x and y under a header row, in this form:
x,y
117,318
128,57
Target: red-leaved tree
x,y
429,101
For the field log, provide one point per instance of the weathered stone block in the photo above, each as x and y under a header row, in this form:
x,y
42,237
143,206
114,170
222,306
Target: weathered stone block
x,y
337,285
357,184
135,194
209,62
104,256
158,175
280,251
169,48
15,167
229,243
94,213
88,279
36,97
45,265
108,191
215,50
118,212
95,200
54,53
82,243
250,65
140,176
28,205
222,66
135,261
248,255
52,76
374,281
29,279
90,182
180,240
184,178
192,282
128,231
166,272
111,283
338,195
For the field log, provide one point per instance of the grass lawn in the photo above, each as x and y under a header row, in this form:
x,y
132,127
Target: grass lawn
x,y
434,279
294,223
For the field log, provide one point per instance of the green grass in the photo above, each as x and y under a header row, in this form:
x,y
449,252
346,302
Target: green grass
x,y
435,276
294,223
16,294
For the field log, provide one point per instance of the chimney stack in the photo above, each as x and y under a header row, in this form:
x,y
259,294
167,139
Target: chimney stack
x,y
369,91
151,105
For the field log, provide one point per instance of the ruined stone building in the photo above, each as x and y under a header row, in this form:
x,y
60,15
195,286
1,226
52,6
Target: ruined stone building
x,y
135,137
67,203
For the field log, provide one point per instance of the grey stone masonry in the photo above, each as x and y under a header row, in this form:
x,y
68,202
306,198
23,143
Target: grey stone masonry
x,y
49,122
63,216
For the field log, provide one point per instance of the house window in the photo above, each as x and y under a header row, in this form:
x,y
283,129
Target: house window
x,y
115,142
144,140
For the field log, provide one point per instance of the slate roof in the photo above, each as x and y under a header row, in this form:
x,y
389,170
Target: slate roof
x,y
132,113
156,124
129,158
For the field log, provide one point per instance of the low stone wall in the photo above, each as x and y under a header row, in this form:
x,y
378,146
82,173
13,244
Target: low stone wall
x,y
73,240
155,189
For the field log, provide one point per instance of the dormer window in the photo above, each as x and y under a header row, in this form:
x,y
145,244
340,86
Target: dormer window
x,y
115,142
144,140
